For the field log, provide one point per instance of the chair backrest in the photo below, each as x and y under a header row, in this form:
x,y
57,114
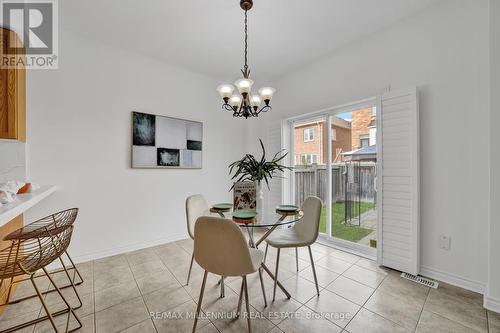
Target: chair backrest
x,y
308,226
34,253
196,206
45,227
221,248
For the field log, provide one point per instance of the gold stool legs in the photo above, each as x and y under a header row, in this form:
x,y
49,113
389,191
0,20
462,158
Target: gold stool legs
x,y
73,266
71,311
50,316
64,268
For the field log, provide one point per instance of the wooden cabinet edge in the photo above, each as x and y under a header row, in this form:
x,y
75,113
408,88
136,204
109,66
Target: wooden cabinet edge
x,y
16,95
7,228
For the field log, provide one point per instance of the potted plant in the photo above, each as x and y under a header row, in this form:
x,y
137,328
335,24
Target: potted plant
x,y
257,171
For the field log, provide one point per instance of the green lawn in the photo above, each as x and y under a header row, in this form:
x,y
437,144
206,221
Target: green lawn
x,y
340,230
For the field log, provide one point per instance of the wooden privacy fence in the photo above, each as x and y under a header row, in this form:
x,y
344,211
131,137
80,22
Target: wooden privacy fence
x,y
360,182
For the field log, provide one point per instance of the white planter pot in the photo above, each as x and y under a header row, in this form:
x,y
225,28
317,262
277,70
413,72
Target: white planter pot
x,y
259,200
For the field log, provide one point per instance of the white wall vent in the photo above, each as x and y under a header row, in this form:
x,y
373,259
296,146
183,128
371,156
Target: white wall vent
x,y
420,279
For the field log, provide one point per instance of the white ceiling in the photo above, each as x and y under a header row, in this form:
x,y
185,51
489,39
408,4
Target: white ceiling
x,y
207,36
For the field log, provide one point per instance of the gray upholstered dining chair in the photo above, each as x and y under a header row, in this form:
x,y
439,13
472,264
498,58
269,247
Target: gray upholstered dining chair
x,y
221,248
196,206
303,233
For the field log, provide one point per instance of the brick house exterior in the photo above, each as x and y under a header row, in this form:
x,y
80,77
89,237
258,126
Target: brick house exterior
x,y
309,139
362,121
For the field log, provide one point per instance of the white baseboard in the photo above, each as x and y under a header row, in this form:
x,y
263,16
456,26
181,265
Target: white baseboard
x,y
492,303
458,281
128,248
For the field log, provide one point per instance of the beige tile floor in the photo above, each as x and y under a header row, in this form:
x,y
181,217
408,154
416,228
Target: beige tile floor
x,y
121,293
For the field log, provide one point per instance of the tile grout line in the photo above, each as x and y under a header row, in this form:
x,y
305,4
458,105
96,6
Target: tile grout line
x,y
93,297
487,321
363,307
142,296
181,285
455,321
422,310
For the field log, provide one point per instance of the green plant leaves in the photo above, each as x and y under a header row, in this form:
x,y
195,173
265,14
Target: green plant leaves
x,y
249,168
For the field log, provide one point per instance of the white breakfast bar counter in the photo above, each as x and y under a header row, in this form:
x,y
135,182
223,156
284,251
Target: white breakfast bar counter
x,y
23,202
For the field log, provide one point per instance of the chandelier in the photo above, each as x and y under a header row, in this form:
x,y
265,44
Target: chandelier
x,y
245,104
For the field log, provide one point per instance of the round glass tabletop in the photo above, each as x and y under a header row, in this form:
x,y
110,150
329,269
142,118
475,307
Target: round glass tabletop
x,y
282,218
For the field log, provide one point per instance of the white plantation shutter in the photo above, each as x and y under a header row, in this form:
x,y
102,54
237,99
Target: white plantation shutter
x,y
273,196
398,181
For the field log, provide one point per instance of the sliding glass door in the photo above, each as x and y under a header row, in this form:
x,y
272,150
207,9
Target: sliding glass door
x,y
335,159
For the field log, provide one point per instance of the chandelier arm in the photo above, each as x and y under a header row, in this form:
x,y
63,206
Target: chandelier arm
x,y
227,107
265,108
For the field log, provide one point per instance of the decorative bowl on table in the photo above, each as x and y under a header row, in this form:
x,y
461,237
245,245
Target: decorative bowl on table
x,y
222,206
244,216
287,208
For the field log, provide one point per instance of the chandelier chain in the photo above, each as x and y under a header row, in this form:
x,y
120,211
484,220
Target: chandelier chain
x,y
246,41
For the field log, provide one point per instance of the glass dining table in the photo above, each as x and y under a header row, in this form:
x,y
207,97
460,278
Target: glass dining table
x,y
284,218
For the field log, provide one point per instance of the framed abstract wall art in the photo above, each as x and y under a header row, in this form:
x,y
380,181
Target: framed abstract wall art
x,y
165,142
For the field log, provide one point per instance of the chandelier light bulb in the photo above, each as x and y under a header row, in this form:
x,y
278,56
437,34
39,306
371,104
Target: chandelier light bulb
x,y
266,93
235,101
225,90
244,85
255,100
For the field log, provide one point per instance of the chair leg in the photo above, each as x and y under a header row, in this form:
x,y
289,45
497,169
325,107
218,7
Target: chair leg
x,y
49,315
262,286
221,283
247,304
222,291
200,299
190,268
276,274
72,284
71,311
75,268
7,299
265,253
297,258
238,311
314,269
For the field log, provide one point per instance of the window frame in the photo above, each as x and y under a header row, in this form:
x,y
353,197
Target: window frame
x,y
309,159
364,137
310,137
333,134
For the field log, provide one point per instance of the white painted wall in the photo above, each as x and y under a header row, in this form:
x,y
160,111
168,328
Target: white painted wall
x,y
444,51
79,134
492,299
12,160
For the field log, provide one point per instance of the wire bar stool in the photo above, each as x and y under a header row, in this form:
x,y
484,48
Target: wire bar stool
x,y
45,227
27,256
